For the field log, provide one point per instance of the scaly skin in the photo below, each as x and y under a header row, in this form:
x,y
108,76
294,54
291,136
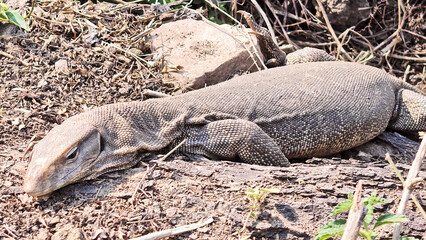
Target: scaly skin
x,y
299,111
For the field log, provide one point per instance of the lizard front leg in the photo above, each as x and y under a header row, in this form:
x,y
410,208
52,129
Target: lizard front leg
x,y
231,139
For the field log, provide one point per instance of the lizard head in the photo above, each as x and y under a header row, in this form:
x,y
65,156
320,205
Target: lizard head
x,y
65,155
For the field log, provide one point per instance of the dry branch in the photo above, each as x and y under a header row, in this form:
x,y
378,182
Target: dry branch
x,y
268,23
155,94
174,231
411,180
356,215
287,38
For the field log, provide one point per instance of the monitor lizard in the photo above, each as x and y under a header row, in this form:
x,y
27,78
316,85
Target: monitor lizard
x,y
267,117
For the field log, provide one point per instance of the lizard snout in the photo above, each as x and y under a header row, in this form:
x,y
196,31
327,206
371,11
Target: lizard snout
x,y
35,180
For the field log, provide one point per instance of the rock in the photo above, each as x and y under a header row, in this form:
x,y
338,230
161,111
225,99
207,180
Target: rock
x,y
207,54
43,234
344,13
68,232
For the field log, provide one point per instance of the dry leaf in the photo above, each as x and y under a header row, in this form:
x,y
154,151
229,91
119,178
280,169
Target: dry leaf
x,y
172,68
62,111
25,198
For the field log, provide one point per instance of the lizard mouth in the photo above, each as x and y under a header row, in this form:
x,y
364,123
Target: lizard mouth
x,y
33,187
75,178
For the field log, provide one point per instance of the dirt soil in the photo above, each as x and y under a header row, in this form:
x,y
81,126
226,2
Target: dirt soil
x,y
77,57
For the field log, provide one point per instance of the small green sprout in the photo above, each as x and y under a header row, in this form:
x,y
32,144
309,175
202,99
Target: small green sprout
x,y
257,197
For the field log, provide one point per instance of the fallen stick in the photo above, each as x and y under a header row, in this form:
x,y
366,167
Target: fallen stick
x,y
155,94
356,215
398,174
174,231
411,180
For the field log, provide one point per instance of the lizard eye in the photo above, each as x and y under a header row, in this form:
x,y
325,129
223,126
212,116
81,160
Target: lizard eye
x,y
72,154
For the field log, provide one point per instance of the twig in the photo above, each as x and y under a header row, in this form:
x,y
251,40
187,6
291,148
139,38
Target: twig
x,y
125,51
315,45
363,38
265,18
223,12
294,17
287,38
6,54
174,231
12,57
390,46
413,33
10,231
411,180
414,59
51,21
401,23
399,175
406,72
333,34
150,170
33,2
356,215
155,94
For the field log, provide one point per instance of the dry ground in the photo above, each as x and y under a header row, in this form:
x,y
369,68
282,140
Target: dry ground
x,y
62,67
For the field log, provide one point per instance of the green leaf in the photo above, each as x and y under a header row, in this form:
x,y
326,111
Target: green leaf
x,y
331,229
408,238
369,216
343,206
363,235
350,196
17,19
373,199
389,218
369,204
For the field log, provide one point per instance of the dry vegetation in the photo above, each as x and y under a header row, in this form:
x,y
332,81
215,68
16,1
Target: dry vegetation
x,y
78,56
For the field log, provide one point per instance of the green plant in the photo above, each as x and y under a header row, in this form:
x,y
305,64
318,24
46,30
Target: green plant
x,y
12,16
337,226
408,238
257,197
